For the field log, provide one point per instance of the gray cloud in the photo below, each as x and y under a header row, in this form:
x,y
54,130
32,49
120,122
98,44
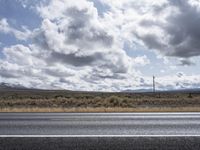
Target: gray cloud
x,y
181,30
81,31
184,29
7,74
74,59
151,41
186,62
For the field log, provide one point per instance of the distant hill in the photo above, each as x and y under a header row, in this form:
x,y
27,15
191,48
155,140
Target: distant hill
x,y
138,90
194,90
5,86
8,87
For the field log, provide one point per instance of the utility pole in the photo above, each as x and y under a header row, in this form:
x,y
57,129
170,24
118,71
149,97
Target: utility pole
x,y
154,88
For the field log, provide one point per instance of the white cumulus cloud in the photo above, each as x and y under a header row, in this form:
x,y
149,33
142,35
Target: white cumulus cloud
x,y
77,48
7,29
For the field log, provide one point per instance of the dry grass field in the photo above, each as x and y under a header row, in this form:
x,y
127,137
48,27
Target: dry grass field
x,y
66,101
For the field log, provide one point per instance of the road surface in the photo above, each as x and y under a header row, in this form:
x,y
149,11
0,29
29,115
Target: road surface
x,y
100,124
93,130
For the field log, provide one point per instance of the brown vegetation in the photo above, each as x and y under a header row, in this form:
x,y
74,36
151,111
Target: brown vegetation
x,y
65,101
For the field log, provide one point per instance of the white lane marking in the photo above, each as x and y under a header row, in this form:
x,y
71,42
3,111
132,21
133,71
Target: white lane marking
x,y
127,113
126,117
88,136
112,113
104,117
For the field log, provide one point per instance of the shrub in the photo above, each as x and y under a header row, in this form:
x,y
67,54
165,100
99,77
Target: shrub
x,y
115,100
190,95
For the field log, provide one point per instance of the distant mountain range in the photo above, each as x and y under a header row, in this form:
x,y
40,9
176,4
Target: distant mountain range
x,y
138,90
8,87
192,90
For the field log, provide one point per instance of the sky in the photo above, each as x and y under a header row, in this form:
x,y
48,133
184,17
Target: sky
x,y
100,45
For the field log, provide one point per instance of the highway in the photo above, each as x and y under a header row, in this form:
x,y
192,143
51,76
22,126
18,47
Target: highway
x,y
121,127
95,124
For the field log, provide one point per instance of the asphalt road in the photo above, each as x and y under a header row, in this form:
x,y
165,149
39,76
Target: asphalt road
x,y
102,124
143,131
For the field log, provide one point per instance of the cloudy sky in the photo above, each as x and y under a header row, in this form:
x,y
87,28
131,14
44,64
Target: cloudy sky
x,y
100,45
